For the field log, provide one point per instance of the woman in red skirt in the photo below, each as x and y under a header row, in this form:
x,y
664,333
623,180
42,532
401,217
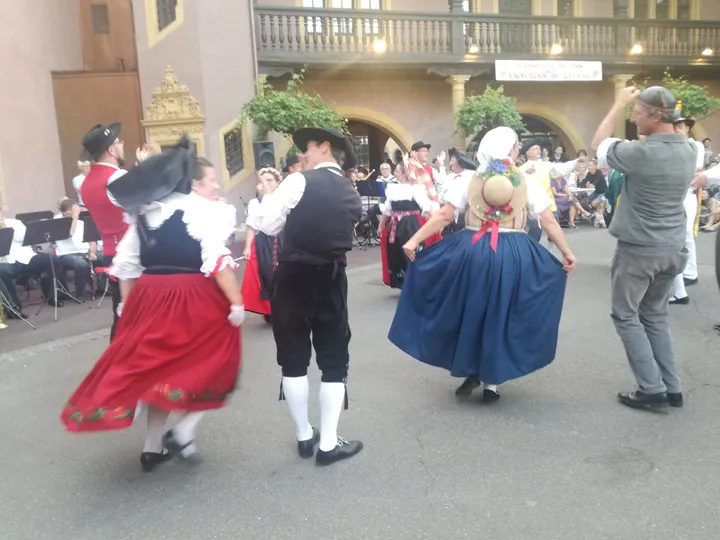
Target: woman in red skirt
x,y
260,249
406,209
177,344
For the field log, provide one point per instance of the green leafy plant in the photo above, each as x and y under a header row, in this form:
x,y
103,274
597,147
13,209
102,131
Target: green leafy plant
x,y
488,110
697,102
285,110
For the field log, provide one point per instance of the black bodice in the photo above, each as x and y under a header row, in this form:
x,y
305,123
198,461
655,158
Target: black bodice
x,y
169,249
404,206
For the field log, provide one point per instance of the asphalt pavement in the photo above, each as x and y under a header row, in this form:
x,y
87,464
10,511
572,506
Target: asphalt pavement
x,y
556,459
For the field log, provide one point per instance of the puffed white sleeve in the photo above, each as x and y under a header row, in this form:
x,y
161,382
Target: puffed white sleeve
x,y
700,160
126,263
537,198
212,223
420,195
254,215
456,193
386,207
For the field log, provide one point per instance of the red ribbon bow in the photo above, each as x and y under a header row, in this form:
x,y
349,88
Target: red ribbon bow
x,y
492,225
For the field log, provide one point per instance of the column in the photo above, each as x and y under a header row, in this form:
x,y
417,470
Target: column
x,y
458,98
620,82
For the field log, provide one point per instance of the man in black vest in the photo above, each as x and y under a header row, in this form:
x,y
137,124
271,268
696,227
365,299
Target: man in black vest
x,y
317,210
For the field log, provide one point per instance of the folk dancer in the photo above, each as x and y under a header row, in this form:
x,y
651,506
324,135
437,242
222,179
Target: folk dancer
x,y
293,164
317,210
260,249
650,226
538,170
177,346
470,304
105,147
693,203
405,210
461,166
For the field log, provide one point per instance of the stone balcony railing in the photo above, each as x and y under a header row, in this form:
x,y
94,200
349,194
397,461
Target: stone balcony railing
x,y
285,36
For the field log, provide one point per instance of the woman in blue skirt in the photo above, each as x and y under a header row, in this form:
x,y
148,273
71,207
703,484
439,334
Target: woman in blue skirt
x,y
485,303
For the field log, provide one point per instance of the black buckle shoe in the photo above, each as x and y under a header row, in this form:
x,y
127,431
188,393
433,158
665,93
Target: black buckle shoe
x,y
690,282
674,301
675,399
173,447
467,387
343,450
306,449
150,460
490,396
649,402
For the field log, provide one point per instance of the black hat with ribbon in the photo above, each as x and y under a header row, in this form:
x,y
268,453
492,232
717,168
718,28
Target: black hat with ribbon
x,y
156,177
463,160
338,140
420,144
100,138
290,161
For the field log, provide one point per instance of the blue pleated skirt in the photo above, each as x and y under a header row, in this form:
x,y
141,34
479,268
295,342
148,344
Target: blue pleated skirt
x,y
475,312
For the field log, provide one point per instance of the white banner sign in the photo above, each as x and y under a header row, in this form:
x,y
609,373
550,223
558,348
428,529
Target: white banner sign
x,y
547,70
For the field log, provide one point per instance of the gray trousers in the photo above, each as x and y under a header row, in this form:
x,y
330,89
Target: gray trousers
x,y
642,283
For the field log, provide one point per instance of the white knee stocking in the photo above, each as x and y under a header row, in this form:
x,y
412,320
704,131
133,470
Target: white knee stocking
x,y
297,391
184,431
332,399
680,291
156,419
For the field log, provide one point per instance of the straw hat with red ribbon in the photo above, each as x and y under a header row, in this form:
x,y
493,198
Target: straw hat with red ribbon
x,y
497,197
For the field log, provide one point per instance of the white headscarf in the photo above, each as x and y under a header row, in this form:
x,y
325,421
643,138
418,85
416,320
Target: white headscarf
x,y
496,144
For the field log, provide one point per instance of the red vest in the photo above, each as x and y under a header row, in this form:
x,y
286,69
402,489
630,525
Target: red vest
x,y
107,216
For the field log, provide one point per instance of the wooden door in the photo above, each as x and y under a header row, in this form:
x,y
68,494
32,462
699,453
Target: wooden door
x,y
85,99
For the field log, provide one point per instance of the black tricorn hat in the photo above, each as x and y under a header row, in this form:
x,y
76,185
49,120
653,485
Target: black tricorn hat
x,y
689,122
463,160
156,177
100,138
529,143
418,145
302,136
290,161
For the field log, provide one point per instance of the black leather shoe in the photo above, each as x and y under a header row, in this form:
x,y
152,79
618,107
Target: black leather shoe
x,y
689,282
150,460
173,447
650,402
490,396
467,387
306,449
675,400
343,450
679,301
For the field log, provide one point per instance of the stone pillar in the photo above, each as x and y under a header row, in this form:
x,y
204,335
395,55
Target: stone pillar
x,y
458,98
620,82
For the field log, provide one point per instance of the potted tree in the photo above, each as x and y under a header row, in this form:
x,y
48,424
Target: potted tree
x,y
479,114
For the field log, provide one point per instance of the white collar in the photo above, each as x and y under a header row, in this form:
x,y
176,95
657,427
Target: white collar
x,y
107,164
328,164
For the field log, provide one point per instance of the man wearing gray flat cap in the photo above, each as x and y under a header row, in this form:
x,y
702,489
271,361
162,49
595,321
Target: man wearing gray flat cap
x,y
649,225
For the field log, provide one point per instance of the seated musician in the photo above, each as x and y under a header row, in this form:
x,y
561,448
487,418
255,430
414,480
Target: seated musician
x,y
23,263
73,253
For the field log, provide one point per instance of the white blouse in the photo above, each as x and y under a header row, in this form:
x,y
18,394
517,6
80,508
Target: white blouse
x,y
537,198
405,192
254,214
209,222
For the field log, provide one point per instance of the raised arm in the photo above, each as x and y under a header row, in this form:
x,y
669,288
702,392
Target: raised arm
x,y
276,206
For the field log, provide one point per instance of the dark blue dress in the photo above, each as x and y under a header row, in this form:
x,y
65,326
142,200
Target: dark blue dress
x,y
475,312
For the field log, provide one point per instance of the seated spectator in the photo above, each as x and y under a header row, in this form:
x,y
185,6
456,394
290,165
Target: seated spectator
x,y
577,175
73,253
598,199
566,201
22,263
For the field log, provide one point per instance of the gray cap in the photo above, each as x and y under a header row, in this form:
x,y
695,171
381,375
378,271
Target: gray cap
x,y
663,99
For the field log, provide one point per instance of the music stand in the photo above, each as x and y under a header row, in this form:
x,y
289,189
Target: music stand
x,y
92,234
30,217
49,231
6,238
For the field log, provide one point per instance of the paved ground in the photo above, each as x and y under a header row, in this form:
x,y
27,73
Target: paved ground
x,y
556,459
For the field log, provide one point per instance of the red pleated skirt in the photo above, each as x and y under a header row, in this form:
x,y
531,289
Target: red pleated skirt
x,y
251,287
173,349
383,248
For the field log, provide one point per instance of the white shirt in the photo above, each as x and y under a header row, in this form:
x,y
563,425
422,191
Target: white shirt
x,y
405,192
209,222
254,214
18,252
537,198
277,205
450,179
73,245
77,183
114,176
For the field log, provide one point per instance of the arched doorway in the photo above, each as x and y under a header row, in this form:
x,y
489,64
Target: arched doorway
x,y
535,128
373,145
